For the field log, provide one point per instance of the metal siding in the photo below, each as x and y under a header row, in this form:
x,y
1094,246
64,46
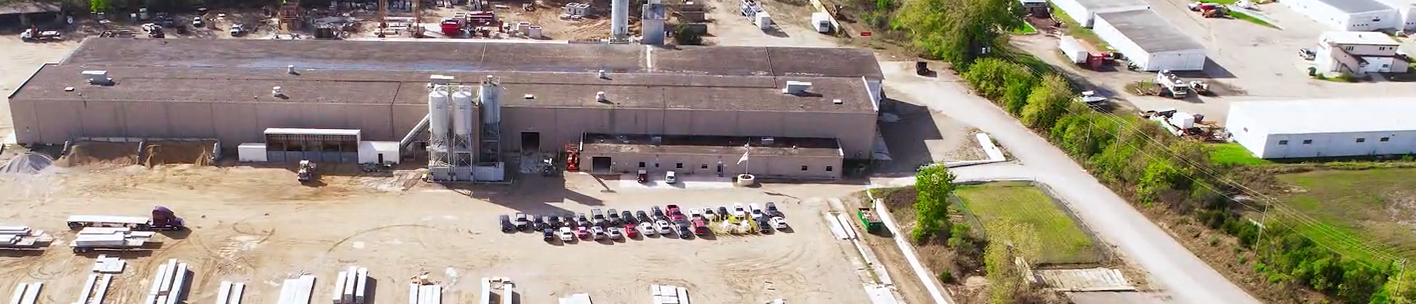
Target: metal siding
x,y
375,121
100,118
279,115
190,120
1107,32
1187,60
1075,10
763,123
238,122
678,121
404,118
713,123
23,120
765,166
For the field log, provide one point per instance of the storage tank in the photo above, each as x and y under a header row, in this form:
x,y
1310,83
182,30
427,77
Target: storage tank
x,y
490,94
438,112
619,19
463,115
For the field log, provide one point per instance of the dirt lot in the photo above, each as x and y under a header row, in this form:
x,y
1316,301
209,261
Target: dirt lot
x,y
1248,62
258,225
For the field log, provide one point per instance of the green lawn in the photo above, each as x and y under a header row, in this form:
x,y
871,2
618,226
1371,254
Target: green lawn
x,y
1076,30
1025,29
1063,242
1234,154
1250,18
1366,214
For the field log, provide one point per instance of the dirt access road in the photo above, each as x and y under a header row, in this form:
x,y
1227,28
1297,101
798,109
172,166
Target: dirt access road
x,y
258,226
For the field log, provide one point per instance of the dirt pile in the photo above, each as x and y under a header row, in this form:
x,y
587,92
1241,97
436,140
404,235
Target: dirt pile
x,y
100,154
158,153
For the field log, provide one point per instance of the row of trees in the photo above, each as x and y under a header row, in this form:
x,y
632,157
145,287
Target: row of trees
x,y
1133,156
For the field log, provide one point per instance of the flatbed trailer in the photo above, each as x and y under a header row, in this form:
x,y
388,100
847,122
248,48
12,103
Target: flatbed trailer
x,y
162,219
126,244
25,242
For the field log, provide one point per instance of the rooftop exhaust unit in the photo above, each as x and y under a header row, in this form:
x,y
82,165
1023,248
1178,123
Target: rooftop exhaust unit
x,y
767,141
290,69
604,75
600,97
277,92
97,77
796,87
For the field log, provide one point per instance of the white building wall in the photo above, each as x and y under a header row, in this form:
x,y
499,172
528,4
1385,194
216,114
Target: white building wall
x,y
1337,144
1184,60
1076,10
1373,21
1339,20
369,151
251,152
1244,131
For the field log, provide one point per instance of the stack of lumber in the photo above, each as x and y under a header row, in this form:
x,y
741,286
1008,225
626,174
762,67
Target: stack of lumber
x,y
297,290
107,264
424,294
668,294
26,293
167,284
112,237
22,236
230,292
95,289
578,298
351,286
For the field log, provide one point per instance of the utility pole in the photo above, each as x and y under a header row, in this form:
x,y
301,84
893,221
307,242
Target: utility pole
x,y
1399,296
1263,223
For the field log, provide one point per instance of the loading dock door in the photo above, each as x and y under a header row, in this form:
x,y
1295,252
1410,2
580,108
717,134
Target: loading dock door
x,y
530,141
600,165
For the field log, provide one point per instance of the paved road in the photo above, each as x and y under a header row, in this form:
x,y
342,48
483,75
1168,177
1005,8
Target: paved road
x,y
1186,277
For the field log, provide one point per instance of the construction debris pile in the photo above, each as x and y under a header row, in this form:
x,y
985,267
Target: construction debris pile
x,y
351,286
168,283
297,290
669,294
230,293
23,237
26,293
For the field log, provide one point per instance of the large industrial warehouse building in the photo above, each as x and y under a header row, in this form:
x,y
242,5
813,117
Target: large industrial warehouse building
x,y
1149,42
1324,127
696,110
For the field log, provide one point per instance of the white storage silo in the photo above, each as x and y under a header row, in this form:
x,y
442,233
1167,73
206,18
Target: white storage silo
x,y
619,19
490,94
438,112
463,115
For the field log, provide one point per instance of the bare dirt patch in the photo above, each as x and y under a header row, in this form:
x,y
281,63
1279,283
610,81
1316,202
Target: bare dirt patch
x,y
177,152
100,154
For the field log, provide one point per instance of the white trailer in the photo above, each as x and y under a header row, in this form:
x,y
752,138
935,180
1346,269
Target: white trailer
x,y
821,21
1073,49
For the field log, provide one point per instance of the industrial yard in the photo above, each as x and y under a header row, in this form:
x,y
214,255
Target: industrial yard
x,y
257,226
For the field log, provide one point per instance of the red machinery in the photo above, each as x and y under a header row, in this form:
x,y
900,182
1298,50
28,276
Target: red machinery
x,y
572,158
452,27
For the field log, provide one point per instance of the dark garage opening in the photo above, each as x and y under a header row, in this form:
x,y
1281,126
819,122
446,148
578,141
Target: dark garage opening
x,y
530,141
600,164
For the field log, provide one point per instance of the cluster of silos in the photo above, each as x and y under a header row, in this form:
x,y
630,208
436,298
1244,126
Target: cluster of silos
x,y
456,133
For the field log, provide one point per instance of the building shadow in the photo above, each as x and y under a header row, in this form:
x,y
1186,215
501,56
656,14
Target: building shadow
x,y
907,137
532,194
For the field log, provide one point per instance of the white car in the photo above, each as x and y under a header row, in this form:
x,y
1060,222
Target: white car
x,y
695,212
615,233
663,227
670,177
738,211
566,235
756,212
779,223
598,232
647,228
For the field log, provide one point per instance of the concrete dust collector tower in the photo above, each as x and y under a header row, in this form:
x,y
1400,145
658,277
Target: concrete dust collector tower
x,y
619,21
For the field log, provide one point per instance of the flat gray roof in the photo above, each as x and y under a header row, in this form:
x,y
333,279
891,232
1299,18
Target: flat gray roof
x,y
715,145
1357,6
450,57
547,89
1103,5
1151,32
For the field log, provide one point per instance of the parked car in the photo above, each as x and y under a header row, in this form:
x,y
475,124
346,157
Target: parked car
x,y
238,29
722,212
548,234
779,223
643,216
708,213
615,233
631,231
198,22
522,222
615,219
582,232
739,211
670,177
566,234
597,217
700,227
683,231
539,223
598,232
756,212
506,224
629,217
663,227
674,212
695,212
581,220
647,228
1307,54
554,221
772,210
658,213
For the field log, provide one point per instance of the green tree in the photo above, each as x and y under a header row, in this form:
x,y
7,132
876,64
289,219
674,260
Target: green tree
x,y
959,31
1008,242
1047,103
1006,83
934,185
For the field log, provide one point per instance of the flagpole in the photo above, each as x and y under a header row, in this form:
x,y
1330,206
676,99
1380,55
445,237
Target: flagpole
x,y
749,159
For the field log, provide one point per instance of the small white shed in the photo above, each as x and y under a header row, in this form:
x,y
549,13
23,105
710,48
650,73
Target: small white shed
x,y
1084,11
1349,15
379,152
1149,42
251,153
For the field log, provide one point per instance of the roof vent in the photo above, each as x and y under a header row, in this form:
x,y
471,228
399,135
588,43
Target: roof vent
x,y
291,70
529,96
98,77
657,140
600,96
837,101
796,87
277,92
604,75
440,79
768,140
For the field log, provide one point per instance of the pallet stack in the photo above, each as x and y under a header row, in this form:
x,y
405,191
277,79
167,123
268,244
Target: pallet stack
x,y
167,284
297,290
112,237
424,294
26,293
668,294
95,289
107,264
350,288
230,292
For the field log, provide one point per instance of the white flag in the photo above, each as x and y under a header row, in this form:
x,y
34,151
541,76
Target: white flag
x,y
744,155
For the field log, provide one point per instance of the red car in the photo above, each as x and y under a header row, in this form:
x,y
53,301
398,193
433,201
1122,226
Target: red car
x,y
582,232
631,231
674,212
699,227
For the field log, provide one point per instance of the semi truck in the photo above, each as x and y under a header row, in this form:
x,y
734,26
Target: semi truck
x,y
162,219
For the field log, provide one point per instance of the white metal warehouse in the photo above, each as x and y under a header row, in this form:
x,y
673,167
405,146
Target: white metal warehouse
x,y
1349,15
1149,42
1324,127
1406,9
1084,11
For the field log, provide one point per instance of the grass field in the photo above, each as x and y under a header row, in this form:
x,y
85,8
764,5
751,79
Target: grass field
x,y
1366,214
1025,29
1234,154
1251,18
1063,242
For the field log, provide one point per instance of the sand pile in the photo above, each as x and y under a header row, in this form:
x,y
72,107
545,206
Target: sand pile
x,y
158,153
28,163
100,153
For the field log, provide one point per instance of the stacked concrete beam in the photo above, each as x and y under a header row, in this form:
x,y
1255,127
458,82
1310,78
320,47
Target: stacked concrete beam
x,y
26,293
350,288
297,290
230,292
95,289
578,298
107,264
168,283
424,294
668,294
22,237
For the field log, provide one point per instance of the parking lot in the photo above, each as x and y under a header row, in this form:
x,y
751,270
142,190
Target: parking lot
x,y
258,225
